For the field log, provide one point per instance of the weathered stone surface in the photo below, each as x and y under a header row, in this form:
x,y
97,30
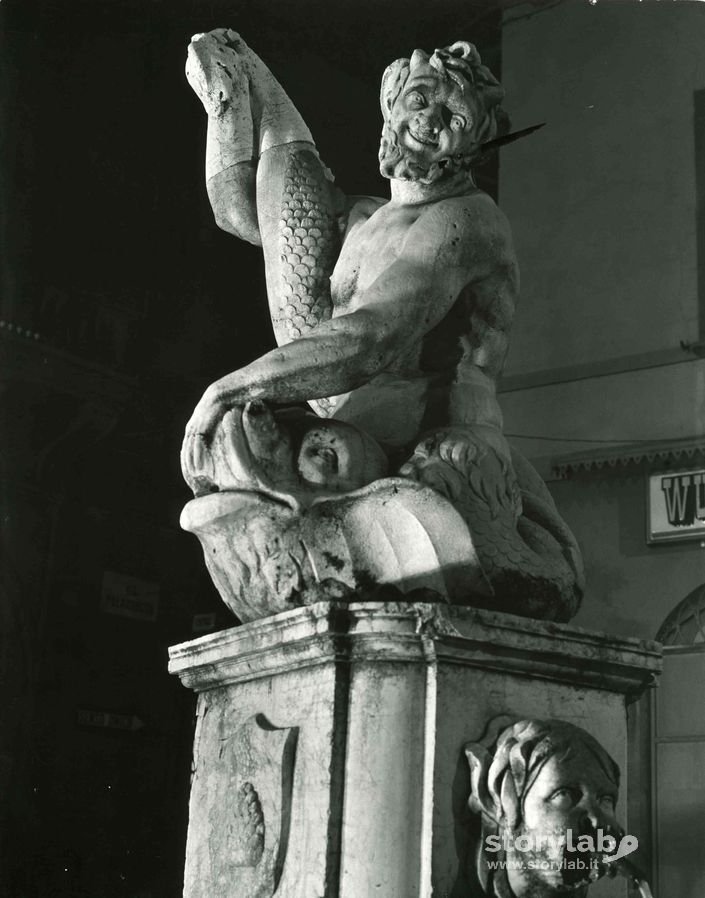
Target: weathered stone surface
x,y
383,699
265,557
392,320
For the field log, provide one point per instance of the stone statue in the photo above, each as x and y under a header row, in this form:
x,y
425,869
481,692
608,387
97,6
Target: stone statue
x,y
546,793
392,321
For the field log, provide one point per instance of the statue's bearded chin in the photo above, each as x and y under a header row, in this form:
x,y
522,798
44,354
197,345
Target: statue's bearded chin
x,y
400,163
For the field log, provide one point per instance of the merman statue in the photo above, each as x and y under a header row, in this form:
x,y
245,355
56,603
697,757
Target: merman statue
x,y
392,320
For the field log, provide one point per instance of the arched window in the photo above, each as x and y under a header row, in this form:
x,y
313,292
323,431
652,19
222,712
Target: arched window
x,y
685,625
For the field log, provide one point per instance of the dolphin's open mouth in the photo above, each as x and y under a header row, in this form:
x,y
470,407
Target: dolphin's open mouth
x,y
581,873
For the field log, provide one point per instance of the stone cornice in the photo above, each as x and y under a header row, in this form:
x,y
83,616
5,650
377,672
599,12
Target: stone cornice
x,y
416,633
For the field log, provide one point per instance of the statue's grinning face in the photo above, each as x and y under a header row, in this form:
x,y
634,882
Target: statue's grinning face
x,y
432,116
432,122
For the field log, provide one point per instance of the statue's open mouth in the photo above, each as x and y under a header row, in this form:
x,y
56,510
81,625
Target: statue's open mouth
x,y
424,141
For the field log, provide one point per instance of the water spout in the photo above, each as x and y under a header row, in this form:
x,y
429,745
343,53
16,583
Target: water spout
x,y
631,872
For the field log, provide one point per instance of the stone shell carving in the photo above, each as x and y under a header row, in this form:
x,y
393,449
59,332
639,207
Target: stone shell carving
x,y
240,838
250,827
265,556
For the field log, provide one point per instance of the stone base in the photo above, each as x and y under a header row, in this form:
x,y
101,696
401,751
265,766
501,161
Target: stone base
x,y
328,759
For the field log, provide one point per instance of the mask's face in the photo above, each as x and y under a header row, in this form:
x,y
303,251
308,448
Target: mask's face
x,y
291,452
432,122
570,794
332,456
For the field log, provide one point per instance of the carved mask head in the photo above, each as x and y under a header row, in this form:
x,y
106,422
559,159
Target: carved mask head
x,y
288,452
438,111
545,790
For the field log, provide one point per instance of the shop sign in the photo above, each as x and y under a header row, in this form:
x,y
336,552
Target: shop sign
x,y
676,501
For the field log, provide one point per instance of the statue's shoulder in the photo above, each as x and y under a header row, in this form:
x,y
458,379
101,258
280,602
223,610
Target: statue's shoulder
x,y
474,208
359,209
476,218
473,230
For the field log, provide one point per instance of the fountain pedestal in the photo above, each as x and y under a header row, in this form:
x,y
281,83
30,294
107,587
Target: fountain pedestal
x,y
328,757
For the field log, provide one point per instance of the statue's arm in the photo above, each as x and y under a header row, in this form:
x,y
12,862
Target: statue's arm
x,y
489,299
410,297
488,256
340,355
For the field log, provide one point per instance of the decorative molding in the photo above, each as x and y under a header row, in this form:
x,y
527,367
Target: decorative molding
x,y
662,453
625,364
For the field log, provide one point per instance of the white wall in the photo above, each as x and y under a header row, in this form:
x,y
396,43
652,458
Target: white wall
x,y
602,203
602,200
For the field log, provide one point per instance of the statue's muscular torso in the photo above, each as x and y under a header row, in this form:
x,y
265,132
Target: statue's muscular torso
x,y
472,334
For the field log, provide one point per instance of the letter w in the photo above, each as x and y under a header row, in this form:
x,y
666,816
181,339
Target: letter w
x,y
675,490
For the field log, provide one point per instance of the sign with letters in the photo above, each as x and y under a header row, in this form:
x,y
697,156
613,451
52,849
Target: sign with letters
x,y
203,623
128,596
676,502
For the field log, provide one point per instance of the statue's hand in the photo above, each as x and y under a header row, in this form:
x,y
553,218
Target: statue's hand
x,y
196,458
457,459
426,466
214,69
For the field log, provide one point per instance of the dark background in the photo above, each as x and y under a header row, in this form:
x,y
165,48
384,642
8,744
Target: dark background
x,y
119,302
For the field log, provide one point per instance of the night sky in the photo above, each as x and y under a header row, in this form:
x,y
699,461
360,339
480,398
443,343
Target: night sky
x,y
109,257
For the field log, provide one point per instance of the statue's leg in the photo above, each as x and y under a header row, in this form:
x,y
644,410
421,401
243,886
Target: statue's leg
x,y
295,205
276,120
265,180
300,238
526,550
216,74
